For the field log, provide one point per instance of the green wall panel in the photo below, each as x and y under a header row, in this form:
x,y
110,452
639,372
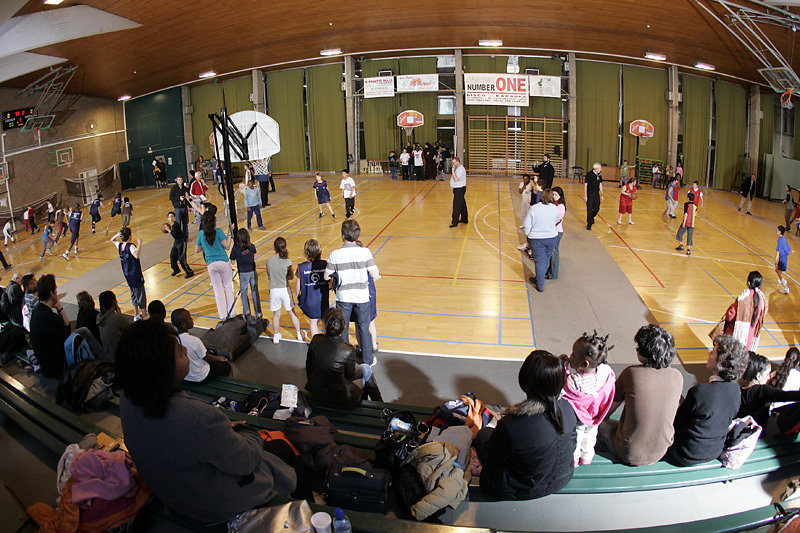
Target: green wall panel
x,y
285,105
381,133
207,99
598,113
696,122
767,125
425,103
731,134
326,118
643,93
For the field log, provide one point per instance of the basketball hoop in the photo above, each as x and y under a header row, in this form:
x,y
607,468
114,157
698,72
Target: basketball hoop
x,y
408,120
786,96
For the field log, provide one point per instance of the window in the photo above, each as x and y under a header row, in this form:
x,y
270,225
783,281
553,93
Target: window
x,y
447,105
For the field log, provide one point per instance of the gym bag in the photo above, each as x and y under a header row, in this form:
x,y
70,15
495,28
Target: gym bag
x,y
358,488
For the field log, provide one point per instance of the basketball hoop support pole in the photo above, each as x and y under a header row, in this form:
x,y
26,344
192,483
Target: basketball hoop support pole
x,y
8,187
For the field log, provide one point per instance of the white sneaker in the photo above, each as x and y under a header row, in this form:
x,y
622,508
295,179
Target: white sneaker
x,y
522,227
276,338
65,255
137,318
76,249
521,247
619,221
374,361
300,337
630,222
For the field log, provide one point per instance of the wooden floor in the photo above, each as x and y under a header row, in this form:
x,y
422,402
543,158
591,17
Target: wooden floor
x,y
461,291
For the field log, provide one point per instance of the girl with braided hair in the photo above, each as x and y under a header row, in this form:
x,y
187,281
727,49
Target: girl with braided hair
x,y
590,390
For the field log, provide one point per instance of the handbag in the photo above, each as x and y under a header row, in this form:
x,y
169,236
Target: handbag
x,y
402,435
743,434
358,488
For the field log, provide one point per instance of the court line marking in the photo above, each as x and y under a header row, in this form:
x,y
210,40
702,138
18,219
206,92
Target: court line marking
x,y
499,270
631,250
395,217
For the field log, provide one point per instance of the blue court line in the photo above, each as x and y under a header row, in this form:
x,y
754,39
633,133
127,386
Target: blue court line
x,y
381,247
427,193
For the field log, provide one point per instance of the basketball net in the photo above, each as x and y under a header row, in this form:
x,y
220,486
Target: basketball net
x,y
643,140
408,130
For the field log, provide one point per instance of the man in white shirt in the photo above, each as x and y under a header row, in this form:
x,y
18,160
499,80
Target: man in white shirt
x,y
203,366
405,157
348,186
353,264
419,162
458,182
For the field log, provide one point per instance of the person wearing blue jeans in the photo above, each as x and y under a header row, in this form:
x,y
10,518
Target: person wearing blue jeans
x,y
540,228
360,311
252,200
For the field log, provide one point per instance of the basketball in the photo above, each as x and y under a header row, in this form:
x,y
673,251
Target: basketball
x,y
165,228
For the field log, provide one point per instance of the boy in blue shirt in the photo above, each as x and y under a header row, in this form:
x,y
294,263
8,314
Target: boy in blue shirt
x,y
782,259
47,240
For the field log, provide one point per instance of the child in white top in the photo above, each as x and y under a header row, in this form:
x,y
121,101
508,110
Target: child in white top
x,y
7,233
348,187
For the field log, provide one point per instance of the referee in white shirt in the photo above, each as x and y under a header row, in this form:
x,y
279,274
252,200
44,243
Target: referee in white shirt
x,y
458,182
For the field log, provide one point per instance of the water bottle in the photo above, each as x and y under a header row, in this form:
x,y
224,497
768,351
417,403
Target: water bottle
x,y
398,425
341,524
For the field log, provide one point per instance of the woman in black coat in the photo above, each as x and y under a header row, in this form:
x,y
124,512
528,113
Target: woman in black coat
x,y
530,453
430,162
334,376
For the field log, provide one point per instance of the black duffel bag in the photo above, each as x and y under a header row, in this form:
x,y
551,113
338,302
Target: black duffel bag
x,y
358,488
403,434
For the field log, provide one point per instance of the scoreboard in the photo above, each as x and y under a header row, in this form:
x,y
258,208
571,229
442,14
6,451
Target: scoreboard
x,y
17,117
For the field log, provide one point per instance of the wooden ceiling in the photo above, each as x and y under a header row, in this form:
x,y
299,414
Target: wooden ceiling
x,y
179,39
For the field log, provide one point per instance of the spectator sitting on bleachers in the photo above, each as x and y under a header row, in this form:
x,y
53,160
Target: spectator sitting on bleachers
x,y
530,453
334,377
757,395
702,420
188,452
12,300
87,314
111,321
29,299
157,312
202,365
49,329
651,392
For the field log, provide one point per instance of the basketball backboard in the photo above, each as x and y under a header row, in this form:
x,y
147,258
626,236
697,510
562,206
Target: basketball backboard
x,y
38,123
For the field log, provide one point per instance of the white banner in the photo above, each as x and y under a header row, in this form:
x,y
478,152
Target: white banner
x,y
496,89
547,86
379,87
418,83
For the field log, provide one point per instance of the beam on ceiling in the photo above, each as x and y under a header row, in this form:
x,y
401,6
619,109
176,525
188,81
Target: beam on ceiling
x,y
44,28
8,8
22,63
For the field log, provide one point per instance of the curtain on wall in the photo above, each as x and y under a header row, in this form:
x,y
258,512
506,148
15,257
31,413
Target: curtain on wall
x,y
731,122
285,105
598,113
696,123
425,103
381,133
326,118
643,97
539,106
767,125
207,99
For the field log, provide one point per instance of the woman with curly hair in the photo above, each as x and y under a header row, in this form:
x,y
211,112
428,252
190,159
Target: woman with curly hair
x,y
702,421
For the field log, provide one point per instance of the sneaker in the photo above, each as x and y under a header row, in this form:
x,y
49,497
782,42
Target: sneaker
x,y
65,256
49,251
93,232
522,227
585,461
679,247
137,318
76,249
300,337
688,252
334,216
374,361
276,338
740,209
175,272
521,247
630,222
189,275
320,215
619,221
262,228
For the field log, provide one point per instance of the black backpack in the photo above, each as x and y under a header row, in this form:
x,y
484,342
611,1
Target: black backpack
x,y
87,385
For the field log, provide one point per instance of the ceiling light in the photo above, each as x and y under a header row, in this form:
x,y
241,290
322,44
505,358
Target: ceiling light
x,y
52,2
655,56
704,66
490,42
208,74
330,51
124,97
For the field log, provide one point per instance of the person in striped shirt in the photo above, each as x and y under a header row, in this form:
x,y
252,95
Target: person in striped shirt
x,y
352,265
689,214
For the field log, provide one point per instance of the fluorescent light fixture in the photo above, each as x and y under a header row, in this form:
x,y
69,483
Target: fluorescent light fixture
x,y
208,74
490,42
655,56
704,66
52,2
124,97
330,51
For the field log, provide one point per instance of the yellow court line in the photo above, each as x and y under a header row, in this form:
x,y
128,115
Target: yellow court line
x,y
464,242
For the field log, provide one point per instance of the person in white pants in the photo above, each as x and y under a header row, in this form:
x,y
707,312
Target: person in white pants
x,y
7,233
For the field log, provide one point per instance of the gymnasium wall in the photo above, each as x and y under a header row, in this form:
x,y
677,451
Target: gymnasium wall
x,y
32,170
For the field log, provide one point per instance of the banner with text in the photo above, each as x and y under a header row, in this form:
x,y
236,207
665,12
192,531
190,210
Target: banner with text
x,y
415,83
547,86
496,89
378,87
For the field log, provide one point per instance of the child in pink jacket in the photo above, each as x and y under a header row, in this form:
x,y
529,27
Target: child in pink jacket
x,y
590,390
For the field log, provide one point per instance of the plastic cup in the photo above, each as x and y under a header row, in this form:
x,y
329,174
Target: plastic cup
x,y
321,522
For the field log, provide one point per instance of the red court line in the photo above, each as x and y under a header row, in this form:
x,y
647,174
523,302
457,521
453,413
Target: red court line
x,y
397,215
634,253
450,278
